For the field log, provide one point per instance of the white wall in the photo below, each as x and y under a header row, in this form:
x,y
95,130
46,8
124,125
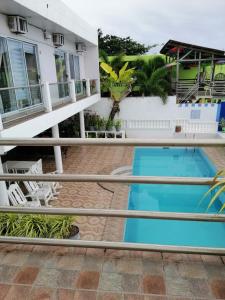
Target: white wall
x,y
56,12
151,108
46,50
39,124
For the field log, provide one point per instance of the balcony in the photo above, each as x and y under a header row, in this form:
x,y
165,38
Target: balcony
x,y
18,104
85,273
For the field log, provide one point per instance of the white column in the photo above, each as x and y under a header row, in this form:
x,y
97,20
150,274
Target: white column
x,y
72,90
4,199
1,124
57,150
82,124
88,87
98,86
47,97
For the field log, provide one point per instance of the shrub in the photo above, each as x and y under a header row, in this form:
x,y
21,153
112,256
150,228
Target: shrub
x,y
35,226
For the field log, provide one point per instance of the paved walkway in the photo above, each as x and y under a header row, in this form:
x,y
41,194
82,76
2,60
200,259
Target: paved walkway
x,y
35,272
96,160
80,274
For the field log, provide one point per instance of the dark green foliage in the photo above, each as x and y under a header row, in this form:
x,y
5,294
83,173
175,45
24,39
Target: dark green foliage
x,y
114,45
153,78
35,226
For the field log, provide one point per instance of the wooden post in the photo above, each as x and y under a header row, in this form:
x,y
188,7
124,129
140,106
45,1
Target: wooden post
x,y
199,65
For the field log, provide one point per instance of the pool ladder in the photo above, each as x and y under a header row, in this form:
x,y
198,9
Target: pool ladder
x,y
193,137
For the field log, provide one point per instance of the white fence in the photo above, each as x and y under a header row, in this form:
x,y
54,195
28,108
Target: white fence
x,y
187,126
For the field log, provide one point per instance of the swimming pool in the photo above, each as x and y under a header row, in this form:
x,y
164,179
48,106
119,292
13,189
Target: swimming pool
x,y
187,162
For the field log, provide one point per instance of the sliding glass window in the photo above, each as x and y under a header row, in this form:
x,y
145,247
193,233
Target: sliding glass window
x,y
61,74
19,71
7,97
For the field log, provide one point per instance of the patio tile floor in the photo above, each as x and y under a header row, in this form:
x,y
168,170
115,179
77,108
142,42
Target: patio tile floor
x,y
43,272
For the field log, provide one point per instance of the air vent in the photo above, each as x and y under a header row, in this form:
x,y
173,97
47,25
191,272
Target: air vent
x,y
80,47
58,39
17,24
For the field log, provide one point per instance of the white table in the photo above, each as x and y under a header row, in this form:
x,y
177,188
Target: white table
x,y
16,166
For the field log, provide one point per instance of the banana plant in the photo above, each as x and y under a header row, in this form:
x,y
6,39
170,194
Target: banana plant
x,y
218,188
119,84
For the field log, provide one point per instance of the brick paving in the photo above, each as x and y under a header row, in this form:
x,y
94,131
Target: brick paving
x,y
43,272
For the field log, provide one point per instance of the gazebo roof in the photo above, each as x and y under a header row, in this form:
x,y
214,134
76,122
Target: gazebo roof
x,y
170,49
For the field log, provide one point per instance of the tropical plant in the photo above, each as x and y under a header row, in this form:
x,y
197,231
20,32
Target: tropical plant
x,y
8,223
109,124
32,226
61,227
218,188
36,226
117,124
101,123
153,77
222,123
119,84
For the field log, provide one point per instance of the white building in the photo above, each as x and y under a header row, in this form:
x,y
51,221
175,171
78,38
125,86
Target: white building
x,y
48,70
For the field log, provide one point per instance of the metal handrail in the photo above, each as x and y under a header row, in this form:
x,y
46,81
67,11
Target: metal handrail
x,y
116,213
64,82
109,178
114,245
112,142
21,87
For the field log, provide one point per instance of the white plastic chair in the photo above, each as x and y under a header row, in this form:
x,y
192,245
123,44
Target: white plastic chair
x,y
37,169
17,197
43,193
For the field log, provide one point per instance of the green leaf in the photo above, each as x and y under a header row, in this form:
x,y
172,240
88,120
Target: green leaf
x,y
220,191
222,208
211,189
123,69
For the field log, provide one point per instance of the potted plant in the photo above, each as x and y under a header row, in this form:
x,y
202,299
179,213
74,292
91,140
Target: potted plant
x,y
222,124
38,226
101,124
117,125
109,125
178,128
92,122
62,227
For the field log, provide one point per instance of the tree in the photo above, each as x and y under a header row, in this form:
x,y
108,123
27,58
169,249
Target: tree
x,y
114,45
152,77
119,84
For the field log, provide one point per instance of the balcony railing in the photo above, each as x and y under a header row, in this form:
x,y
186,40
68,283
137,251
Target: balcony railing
x,y
17,102
93,86
199,217
81,89
59,93
20,99
188,126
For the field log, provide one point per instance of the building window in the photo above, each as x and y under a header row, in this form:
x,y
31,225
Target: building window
x,y
74,67
7,102
195,114
19,69
61,74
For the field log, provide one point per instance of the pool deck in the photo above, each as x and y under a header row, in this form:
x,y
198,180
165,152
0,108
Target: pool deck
x,y
41,272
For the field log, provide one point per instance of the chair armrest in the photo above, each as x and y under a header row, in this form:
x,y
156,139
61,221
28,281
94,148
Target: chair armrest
x,y
54,172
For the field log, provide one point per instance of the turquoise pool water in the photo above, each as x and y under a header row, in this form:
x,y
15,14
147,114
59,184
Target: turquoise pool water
x,y
172,198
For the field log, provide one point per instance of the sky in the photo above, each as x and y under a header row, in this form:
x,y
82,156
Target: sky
x,y
200,22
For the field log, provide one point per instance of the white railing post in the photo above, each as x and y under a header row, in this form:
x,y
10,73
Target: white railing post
x,y
47,97
72,90
4,199
88,87
57,150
